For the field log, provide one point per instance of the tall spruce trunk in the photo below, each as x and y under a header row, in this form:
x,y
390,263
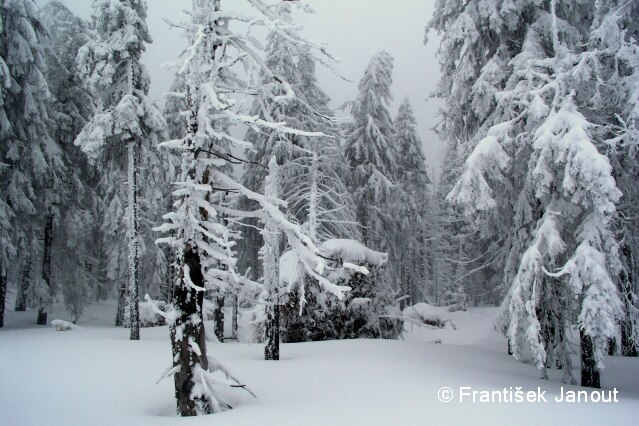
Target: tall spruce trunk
x,y
134,261
3,292
589,371
188,326
25,279
46,265
134,308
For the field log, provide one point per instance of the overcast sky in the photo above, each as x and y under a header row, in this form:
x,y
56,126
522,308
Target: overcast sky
x,y
353,29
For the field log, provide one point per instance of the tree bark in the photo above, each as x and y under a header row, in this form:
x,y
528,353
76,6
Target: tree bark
x,y
234,318
589,371
46,265
271,257
119,315
272,349
134,307
3,293
188,326
23,287
629,346
218,318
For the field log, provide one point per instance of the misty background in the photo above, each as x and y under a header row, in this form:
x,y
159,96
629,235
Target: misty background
x,y
354,30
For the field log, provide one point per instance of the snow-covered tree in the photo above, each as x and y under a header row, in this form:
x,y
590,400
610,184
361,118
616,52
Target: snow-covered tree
x,y
413,177
269,105
523,114
614,106
198,226
127,120
372,153
31,161
311,167
75,249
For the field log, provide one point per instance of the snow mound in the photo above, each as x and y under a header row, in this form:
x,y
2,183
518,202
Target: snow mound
x,y
62,325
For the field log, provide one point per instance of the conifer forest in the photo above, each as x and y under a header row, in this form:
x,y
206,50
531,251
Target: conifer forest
x,y
319,212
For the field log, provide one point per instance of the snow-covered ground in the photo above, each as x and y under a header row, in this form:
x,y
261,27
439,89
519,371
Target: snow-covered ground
x,y
95,375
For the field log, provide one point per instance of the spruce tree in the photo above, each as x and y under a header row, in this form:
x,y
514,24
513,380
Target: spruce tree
x,y
524,114
198,227
32,162
128,121
413,177
75,251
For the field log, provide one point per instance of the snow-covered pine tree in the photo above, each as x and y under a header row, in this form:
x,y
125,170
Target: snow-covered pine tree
x,y
413,176
280,58
614,105
198,231
372,154
522,113
315,189
31,161
7,248
127,120
311,168
75,250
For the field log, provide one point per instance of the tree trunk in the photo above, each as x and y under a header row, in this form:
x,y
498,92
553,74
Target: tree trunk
x,y
629,346
589,371
134,307
119,315
46,265
234,318
218,318
272,349
23,287
271,257
188,326
3,293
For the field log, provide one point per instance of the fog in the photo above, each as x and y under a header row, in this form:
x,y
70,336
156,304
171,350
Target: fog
x,y
354,30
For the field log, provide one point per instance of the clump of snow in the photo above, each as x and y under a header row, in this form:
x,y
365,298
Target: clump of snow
x,y
62,325
352,252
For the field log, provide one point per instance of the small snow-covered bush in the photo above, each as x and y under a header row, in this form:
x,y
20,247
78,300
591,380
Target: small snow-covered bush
x,y
62,325
424,313
367,311
77,294
148,316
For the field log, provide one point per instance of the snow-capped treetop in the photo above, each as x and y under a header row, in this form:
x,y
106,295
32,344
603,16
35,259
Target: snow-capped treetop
x,y
121,38
371,143
73,104
411,158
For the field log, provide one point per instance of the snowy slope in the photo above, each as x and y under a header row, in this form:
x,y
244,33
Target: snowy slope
x,y
95,375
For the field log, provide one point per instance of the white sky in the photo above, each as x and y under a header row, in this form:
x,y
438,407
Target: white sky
x,y
354,31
